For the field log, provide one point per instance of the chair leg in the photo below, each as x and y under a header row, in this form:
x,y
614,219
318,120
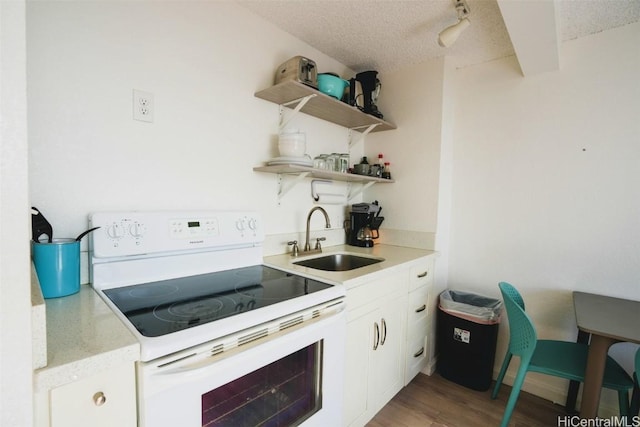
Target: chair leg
x,y
503,370
634,408
623,402
515,392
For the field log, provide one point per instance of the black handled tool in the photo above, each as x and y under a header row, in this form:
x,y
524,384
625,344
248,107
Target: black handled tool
x,y
40,226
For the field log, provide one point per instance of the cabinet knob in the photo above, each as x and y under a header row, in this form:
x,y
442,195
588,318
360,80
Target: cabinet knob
x,y
419,352
99,399
421,275
420,309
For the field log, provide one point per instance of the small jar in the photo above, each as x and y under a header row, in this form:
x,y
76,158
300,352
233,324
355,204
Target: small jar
x,y
320,161
333,162
344,163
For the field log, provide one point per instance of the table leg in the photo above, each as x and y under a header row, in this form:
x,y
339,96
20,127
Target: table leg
x,y
574,386
596,361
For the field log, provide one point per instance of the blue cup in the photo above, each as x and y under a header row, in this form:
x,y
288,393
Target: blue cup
x,y
58,267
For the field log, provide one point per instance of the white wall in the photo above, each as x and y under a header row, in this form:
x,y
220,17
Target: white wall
x,y
412,98
203,61
15,291
546,178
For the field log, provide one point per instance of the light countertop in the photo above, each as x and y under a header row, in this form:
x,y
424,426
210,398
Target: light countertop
x,y
395,257
38,323
84,337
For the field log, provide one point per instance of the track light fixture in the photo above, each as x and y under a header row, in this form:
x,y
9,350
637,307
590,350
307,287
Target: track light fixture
x,y
449,35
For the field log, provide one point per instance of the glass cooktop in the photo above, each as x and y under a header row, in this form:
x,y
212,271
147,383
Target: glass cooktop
x,y
159,308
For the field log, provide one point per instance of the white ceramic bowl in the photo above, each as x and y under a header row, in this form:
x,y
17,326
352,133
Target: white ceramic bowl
x,y
292,144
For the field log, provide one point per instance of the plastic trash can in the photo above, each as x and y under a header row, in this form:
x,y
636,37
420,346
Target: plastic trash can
x,y
467,332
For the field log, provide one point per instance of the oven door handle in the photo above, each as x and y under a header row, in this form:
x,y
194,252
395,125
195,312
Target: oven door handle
x,y
190,368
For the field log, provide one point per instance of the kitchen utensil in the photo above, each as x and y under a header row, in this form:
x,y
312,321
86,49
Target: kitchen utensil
x,y
332,85
40,226
354,94
370,91
84,233
365,234
361,169
298,69
363,224
57,264
376,222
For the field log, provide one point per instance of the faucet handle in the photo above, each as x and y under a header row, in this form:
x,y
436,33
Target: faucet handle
x,y
294,250
318,240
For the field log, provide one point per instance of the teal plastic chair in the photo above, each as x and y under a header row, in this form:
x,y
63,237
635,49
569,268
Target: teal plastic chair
x,y
562,359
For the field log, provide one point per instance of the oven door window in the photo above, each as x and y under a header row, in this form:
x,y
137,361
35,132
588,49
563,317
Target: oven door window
x,y
283,393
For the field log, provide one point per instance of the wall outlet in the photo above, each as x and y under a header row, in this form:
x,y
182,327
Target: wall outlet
x,y
143,106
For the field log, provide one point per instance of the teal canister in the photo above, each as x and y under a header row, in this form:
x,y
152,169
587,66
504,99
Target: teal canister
x,y
58,266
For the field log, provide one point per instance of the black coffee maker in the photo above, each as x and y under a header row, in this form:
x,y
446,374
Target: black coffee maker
x,y
370,91
363,224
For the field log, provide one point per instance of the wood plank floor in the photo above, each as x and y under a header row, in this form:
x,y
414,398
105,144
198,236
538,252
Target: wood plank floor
x,y
437,402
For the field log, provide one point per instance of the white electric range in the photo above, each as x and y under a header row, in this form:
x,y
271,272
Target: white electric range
x,y
224,340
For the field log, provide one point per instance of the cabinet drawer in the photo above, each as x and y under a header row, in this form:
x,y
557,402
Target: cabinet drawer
x,y
421,274
418,310
385,287
416,356
106,399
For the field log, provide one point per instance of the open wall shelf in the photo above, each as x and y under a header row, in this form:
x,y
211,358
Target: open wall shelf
x,y
322,106
298,173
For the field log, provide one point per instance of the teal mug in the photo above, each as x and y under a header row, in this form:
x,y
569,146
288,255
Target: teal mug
x,y
58,266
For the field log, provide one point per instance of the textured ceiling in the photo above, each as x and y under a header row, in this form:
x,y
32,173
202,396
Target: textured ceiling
x,y
387,35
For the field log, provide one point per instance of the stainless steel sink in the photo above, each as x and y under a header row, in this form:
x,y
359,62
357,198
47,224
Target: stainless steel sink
x,y
338,262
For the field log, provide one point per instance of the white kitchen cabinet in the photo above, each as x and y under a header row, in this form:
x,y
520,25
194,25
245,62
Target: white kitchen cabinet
x,y
374,368
105,399
395,313
419,318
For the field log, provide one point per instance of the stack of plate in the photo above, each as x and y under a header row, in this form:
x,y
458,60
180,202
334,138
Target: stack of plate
x,y
298,161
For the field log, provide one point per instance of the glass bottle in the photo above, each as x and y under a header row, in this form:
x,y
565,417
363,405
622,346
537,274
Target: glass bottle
x,y
379,166
387,171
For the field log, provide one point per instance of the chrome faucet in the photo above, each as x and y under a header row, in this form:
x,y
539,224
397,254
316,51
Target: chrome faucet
x,y
307,246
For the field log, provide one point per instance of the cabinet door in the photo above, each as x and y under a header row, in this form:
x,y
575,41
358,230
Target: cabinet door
x,y
387,375
106,399
358,354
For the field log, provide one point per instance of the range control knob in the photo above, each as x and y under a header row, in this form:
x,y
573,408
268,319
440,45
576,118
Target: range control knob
x,y
253,224
115,231
241,224
137,229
